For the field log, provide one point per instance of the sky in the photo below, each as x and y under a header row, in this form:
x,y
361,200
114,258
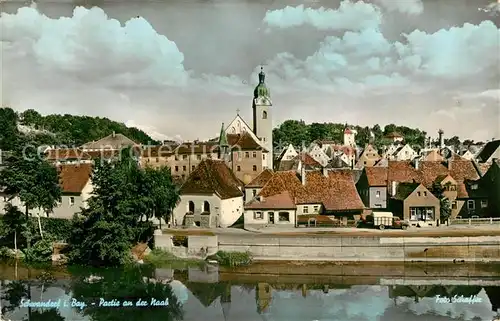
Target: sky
x,y
178,69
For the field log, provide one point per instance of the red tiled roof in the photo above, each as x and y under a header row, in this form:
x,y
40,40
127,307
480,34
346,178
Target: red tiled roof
x,y
73,178
308,160
212,176
244,141
347,131
278,201
377,176
404,171
261,179
336,192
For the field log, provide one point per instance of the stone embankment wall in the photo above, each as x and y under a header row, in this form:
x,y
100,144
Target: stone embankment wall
x,y
342,248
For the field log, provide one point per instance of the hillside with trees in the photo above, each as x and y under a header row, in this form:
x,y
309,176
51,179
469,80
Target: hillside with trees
x,y
60,129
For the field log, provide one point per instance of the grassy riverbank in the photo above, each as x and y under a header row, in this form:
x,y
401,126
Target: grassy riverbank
x,y
160,258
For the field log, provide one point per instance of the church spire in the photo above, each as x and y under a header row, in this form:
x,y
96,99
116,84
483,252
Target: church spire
x,y
261,90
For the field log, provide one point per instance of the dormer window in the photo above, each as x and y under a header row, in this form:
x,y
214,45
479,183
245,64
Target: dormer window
x,y
474,186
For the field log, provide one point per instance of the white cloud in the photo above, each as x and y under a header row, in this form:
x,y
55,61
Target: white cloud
x,y
412,7
349,16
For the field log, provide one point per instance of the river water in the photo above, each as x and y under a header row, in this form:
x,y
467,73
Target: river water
x,y
261,292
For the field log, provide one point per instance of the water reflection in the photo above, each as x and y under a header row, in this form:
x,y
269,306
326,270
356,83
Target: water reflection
x,y
209,294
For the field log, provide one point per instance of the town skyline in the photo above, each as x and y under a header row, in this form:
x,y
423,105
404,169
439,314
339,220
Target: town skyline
x,y
361,74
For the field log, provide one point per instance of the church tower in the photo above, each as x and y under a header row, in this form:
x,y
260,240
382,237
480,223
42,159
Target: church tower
x,y
262,117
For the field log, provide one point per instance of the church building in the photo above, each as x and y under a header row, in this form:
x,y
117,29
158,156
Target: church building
x,y
249,150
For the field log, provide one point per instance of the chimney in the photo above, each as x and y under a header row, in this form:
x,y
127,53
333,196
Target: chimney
x,y
325,172
393,189
448,163
303,174
441,138
114,134
417,164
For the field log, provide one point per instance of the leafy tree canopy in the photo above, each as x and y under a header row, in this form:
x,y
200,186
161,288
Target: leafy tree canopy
x,y
299,134
66,129
112,223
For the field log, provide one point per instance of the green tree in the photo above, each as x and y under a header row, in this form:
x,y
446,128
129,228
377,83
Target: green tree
x,y
8,129
32,179
14,224
293,132
163,191
112,223
317,131
444,202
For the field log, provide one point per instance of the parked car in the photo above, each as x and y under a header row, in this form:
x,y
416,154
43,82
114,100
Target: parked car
x,y
383,220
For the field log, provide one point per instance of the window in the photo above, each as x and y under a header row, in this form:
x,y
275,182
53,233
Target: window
x,y
176,168
247,155
425,193
198,157
184,157
418,194
254,154
264,114
315,208
471,204
176,157
71,201
364,162
263,139
484,203
454,205
258,216
184,168
306,210
254,192
377,194
193,167
474,186
238,168
284,217
191,207
157,160
206,207
413,213
264,156
254,168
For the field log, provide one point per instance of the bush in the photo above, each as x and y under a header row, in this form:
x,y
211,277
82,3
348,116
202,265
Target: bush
x,y
6,253
40,252
233,259
57,229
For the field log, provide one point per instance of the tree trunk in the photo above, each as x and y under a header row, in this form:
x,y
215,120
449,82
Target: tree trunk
x,y
15,243
28,237
40,226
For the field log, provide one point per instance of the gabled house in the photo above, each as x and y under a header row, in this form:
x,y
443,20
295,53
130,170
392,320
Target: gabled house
x,y
317,153
110,142
372,187
275,210
211,197
489,152
369,157
472,200
76,188
337,163
253,188
416,204
288,153
467,155
331,193
403,153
